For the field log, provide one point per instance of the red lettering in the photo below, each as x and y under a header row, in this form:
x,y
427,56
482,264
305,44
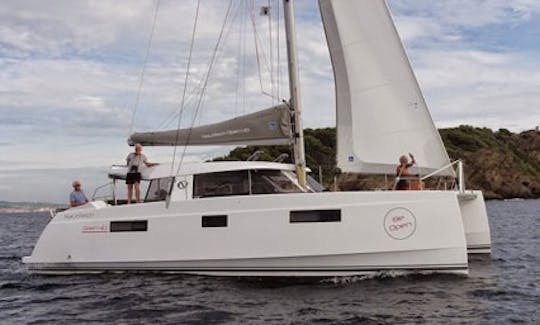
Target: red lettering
x,y
94,228
400,226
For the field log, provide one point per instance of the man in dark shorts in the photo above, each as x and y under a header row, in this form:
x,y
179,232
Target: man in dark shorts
x,y
135,162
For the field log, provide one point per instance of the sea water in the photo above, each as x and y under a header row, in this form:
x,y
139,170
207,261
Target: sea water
x,y
501,289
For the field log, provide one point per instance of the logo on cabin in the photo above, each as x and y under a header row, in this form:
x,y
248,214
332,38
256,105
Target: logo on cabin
x,y
350,158
272,125
77,215
399,223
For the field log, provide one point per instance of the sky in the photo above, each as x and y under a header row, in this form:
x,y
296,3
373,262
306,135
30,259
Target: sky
x,y
71,89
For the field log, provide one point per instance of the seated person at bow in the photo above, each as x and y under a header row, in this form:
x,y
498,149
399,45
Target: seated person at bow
x,y
77,197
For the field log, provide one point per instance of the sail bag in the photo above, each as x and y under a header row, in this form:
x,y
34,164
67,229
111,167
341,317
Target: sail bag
x,y
267,127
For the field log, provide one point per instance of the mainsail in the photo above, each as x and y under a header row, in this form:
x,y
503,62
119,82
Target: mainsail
x,y
381,113
268,127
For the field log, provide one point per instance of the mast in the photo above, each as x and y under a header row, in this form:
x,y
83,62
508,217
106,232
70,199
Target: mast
x,y
294,88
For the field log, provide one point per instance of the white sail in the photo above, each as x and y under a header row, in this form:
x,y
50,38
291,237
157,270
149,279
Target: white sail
x,y
381,113
267,127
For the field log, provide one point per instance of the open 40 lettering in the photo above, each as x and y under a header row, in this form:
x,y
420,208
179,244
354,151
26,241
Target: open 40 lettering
x,y
399,223
92,229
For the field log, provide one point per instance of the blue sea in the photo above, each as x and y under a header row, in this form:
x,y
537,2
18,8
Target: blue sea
x,y
501,289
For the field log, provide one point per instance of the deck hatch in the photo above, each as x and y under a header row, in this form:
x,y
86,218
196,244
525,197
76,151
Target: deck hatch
x,y
315,216
134,225
214,221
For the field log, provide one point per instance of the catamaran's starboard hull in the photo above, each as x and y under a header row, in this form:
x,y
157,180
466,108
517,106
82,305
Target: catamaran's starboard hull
x,y
311,234
475,222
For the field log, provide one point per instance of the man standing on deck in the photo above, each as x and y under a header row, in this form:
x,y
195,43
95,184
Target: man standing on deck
x,y
135,161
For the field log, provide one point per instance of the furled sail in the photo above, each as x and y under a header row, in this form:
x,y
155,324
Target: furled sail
x,y
269,126
381,113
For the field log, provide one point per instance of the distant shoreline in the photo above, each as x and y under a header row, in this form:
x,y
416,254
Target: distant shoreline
x,y
27,207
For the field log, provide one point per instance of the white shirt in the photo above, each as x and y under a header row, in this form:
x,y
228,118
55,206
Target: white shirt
x,y
135,160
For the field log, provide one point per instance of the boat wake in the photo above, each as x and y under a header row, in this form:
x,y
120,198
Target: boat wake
x,y
386,274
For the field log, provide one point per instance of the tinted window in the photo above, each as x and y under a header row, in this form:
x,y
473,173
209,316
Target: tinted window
x,y
221,184
272,181
158,189
137,225
314,185
315,216
214,221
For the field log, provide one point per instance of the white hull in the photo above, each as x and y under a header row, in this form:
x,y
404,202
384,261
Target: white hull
x,y
377,231
475,221
338,265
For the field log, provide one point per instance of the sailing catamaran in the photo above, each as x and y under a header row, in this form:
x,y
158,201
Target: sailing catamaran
x,y
255,218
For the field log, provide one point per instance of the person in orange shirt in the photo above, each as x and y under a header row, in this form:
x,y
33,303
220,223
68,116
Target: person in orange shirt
x,y
403,171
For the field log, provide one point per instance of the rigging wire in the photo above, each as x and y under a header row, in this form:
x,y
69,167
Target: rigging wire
x,y
271,50
172,117
227,28
262,59
214,54
278,68
240,53
245,9
197,89
182,106
240,89
143,70
260,54
254,25
244,59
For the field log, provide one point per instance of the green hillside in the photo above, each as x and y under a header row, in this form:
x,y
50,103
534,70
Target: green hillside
x,y
502,164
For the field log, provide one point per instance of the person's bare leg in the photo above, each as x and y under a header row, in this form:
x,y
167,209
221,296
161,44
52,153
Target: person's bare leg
x,y
138,192
130,193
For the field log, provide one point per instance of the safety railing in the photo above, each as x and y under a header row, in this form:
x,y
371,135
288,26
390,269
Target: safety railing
x,y
111,195
460,180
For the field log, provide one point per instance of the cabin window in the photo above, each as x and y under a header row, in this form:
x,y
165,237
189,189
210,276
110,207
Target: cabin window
x,y
244,182
314,185
158,189
214,221
135,225
221,184
315,216
272,181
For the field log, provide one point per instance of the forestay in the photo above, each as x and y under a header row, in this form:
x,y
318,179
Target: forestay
x,y
381,113
268,127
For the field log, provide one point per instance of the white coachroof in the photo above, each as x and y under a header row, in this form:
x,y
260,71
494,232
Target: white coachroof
x,y
164,170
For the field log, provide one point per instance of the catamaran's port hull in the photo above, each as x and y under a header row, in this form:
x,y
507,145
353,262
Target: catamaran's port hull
x,y
270,268
304,234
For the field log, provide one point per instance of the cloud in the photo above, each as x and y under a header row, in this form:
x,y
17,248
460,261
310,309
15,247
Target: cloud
x,y
480,88
469,69
67,27
460,14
